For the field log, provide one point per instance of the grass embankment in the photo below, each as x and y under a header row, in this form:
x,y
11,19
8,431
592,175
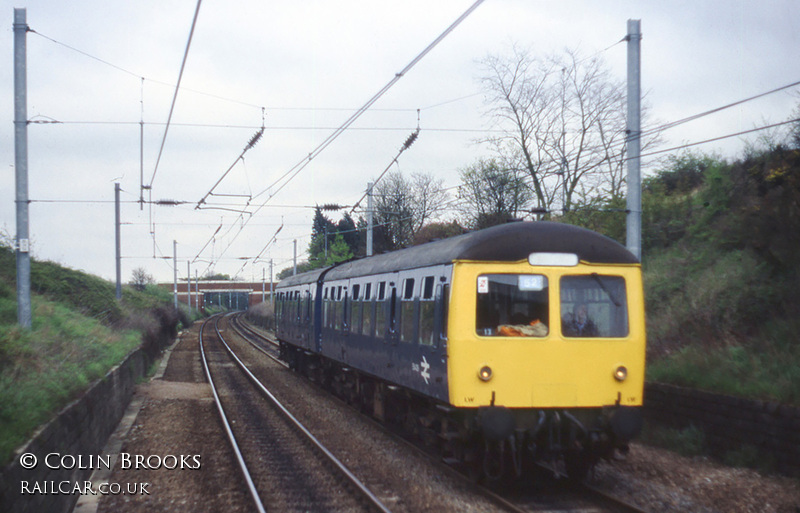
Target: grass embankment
x,y
717,321
722,275
79,332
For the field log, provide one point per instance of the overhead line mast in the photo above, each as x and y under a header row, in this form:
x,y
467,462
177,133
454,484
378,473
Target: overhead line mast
x,y
634,131
24,314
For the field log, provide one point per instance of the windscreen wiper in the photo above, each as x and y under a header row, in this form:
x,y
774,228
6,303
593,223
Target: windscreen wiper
x,y
603,286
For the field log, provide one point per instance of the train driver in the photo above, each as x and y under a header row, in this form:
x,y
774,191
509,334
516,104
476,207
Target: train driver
x,y
580,325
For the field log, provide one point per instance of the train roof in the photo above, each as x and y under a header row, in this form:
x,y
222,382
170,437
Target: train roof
x,y
509,242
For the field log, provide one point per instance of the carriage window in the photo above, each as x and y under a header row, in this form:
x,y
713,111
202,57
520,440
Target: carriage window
x,y
367,292
327,320
393,311
380,311
407,312
427,311
594,306
408,289
356,290
336,297
427,288
346,311
512,305
357,307
443,297
366,327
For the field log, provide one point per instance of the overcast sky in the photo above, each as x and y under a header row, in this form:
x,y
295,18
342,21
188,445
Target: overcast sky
x,y
308,65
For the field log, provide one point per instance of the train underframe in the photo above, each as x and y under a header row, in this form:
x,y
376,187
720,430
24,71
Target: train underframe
x,y
487,443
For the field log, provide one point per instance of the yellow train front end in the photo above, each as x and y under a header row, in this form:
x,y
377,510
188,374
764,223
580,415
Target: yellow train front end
x,y
549,353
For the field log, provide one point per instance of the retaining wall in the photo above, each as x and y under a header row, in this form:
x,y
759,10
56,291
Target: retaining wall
x,y
730,423
81,428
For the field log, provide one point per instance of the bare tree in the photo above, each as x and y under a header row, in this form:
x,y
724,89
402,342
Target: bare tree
x,y
562,120
403,206
490,193
140,278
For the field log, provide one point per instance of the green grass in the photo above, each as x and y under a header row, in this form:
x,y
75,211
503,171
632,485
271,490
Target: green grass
x,y
44,368
79,332
716,321
765,373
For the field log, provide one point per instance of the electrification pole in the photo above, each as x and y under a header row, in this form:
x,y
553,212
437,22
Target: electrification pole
x,y
189,284
175,273
369,218
117,240
294,270
634,132
24,316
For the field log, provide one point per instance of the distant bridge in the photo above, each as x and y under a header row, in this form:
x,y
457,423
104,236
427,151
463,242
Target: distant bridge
x,y
230,295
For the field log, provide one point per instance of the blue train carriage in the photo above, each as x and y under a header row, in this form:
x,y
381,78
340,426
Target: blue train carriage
x,y
517,343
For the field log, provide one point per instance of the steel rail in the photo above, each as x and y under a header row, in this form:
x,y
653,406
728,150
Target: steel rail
x,y
497,499
374,500
234,444
248,334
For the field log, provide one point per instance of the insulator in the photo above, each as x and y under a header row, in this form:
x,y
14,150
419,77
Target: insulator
x,y
330,206
168,202
255,139
410,140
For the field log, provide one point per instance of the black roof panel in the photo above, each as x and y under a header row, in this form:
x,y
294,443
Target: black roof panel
x,y
510,242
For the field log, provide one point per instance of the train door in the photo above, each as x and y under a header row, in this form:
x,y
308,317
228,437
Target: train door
x,y
319,304
307,325
392,335
428,362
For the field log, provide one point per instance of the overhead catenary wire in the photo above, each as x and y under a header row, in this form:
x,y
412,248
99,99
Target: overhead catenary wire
x,y
177,88
292,172
252,142
728,136
256,259
687,119
269,128
289,175
666,126
406,145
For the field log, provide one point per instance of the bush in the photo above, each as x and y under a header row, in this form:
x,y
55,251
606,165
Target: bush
x,y
261,314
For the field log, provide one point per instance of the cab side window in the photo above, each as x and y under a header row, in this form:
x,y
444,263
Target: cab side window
x,y
594,306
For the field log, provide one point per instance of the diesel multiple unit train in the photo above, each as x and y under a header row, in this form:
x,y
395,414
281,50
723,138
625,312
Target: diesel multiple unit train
x,y
519,343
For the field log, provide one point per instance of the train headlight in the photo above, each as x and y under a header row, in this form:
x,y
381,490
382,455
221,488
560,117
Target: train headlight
x,y
485,374
621,373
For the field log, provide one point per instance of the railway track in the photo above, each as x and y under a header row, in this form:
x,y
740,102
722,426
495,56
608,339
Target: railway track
x,y
552,493
284,465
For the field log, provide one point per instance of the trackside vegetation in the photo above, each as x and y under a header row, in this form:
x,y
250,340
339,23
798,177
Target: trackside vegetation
x,y
79,333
